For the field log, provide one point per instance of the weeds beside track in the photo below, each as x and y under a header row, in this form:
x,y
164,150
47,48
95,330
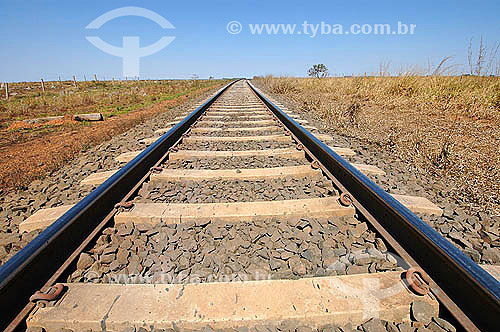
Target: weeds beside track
x,y
447,127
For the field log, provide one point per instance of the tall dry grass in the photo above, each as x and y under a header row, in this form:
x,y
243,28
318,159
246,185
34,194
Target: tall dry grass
x,y
469,96
448,127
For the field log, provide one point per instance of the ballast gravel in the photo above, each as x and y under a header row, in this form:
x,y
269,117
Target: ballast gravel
x,y
241,133
235,146
235,162
217,251
220,124
221,191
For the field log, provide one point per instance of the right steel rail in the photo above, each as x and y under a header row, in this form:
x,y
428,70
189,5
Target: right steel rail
x,y
474,293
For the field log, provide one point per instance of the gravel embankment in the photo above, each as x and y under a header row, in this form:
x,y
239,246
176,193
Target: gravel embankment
x,y
63,186
476,233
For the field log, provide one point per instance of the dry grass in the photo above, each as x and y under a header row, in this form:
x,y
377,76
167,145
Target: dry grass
x,y
446,126
61,98
31,152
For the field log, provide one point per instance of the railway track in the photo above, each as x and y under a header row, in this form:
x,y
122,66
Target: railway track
x,y
241,216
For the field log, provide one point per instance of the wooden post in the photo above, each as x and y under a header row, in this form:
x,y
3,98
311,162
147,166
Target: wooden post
x,y
74,81
43,85
95,77
6,91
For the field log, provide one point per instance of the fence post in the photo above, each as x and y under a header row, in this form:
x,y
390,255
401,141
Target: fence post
x,y
43,85
74,81
6,91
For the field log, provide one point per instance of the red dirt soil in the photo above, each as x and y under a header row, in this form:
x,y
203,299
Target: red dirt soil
x,y
25,162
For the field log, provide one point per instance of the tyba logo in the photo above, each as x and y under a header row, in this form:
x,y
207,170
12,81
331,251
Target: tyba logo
x,y
131,52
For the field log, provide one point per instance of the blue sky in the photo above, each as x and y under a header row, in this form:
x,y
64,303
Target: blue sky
x,y
47,38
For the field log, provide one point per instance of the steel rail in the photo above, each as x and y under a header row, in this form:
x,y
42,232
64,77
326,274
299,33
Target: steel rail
x,y
26,272
470,287
407,261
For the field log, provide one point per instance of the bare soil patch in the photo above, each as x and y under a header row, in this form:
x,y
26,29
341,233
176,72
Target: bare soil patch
x,y
31,151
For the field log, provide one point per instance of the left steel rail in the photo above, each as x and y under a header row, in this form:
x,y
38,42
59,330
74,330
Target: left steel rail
x,y
29,270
